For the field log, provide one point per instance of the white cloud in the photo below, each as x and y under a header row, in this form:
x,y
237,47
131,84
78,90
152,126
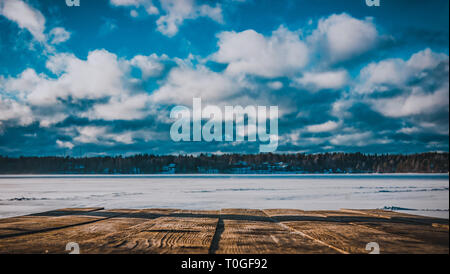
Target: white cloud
x,y
149,65
435,126
323,80
416,103
31,19
184,83
174,12
341,37
409,130
120,108
25,16
275,85
379,77
59,35
426,59
325,127
101,78
24,83
340,108
105,136
90,134
412,80
354,139
396,73
146,4
63,144
134,13
179,10
281,54
11,110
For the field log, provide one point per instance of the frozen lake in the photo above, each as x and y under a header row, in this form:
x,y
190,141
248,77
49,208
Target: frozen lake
x,y
420,194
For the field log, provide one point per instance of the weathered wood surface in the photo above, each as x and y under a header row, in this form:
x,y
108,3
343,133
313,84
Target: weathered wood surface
x,y
244,231
226,231
349,232
46,221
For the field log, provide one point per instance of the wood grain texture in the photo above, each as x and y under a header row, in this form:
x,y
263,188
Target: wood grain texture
x,y
253,231
351,231
180,231
35,224
229,231
83,234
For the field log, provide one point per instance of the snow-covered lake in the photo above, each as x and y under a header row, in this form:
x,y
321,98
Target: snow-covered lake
x,y
421,194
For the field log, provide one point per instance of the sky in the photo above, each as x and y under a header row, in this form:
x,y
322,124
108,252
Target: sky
x,y
101,78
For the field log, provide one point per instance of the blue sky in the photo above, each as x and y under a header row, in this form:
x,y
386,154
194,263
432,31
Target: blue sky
x,y
101,78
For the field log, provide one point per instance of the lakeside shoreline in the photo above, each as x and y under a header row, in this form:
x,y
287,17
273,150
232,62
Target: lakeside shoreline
x,y
26,194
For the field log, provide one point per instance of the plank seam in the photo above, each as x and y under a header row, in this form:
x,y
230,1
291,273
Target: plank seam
x,y
295,231
55,228
220,227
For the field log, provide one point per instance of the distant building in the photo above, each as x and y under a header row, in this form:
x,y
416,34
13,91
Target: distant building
x,y
273,167
169,169
205,170
241,167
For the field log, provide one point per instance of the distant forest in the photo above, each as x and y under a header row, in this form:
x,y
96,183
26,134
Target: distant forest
x,y
230,163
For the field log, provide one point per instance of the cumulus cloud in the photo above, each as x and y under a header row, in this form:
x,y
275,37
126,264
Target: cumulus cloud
x,y
105,135
63,144
353,139
421,84
11,110
25,16
149,65
31,19
148,6
176,11
249,52
275,85
340,37
323,80
184,83
59,35
414,90
99,87
426,59
126,107
396,73
90,134
415,103
325,127
173,12
98,76
100,99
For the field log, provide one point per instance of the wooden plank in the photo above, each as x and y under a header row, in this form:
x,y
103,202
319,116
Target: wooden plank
x,y
57,212
288,212
229,231
428,234
55,241
341,230
398,216
40,224
178,232
252,231
13,219
67,211
80,209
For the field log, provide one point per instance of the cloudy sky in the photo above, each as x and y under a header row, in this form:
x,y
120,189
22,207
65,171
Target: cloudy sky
x,y
102,78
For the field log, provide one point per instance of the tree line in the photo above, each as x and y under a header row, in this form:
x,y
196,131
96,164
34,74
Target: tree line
x,y
230,163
